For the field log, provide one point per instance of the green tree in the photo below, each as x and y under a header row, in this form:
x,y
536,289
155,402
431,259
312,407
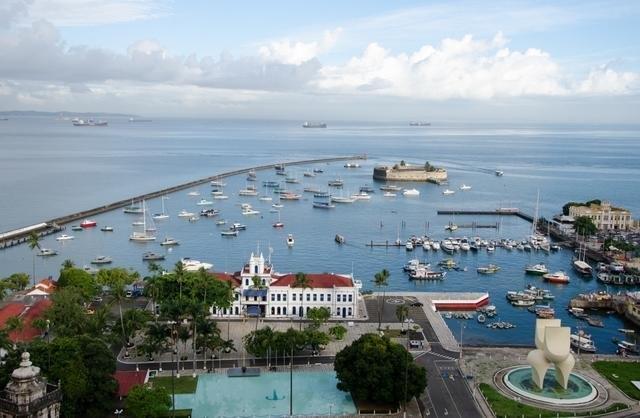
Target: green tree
x,y
67,313
372,367
338,332
16,282
67,264
117,279
80,279
34,242
583,225
135,320
301,282
14,323
315,339
145,401
319,315
381,279
402,313
257,342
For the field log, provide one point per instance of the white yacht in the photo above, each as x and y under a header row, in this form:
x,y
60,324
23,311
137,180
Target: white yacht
x,y
411,192
342,199
204,202
250,211
464,187
168,241
361,196
46,252
64,237
290,240
185,214
163,214
143,235
194,265
389,194
194,193
448,192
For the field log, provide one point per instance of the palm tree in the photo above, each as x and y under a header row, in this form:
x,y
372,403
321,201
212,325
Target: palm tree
x,y
152,286
179,271
34,242
381,279
183,335
5,341
135,320
14,323
156,338
402,312
117,279
303,282
67,264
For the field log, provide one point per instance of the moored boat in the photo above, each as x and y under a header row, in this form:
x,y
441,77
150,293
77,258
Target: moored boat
x,y
151,256
102,259
557,277
536,269
88,223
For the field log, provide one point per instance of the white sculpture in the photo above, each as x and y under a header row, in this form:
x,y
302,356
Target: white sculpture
x,y
553,347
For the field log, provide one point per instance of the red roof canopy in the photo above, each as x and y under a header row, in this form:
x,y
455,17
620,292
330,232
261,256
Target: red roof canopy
x,y
322,280
128,379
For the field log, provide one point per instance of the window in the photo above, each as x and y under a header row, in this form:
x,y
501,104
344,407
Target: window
x,y
293,310
279,297
293,297
255,269
246,282
315,297
236,309
321,297
338,297
350,299
350,312
328,297
284,310
273,310
278,310
273,297
308,297
284,297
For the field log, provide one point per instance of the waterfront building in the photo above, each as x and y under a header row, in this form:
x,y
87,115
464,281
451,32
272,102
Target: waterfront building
x,y
632,308
260,291
604,216
27,395
410,172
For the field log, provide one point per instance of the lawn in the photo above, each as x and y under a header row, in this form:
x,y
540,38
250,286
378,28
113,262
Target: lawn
x,y
186,384
182,413
624,372
505,407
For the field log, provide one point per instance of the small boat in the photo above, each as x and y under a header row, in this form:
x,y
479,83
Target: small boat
x,y
582,267
194,193
135,209
221,222
352,165
312,189
321,195
64,237
448,192
489,269
46,252
290,240
101,259
536,269
107,229
318,170
194,218
342,199
409,246
361,196
389,194
291,180
499,173
626,331
309,174
218,183
425,273
170,241
411,192
451,227
229,233
88,223
523,302
204,202
220,197
481,318
209,213
76,228
323,205
339,239
290,196
595,322
238,226
464,187
185,214
150,256
277,206
367,189
137,223
390,188
557,277
278,224
265,198
336,183
247,192
582,343
627,346
250,211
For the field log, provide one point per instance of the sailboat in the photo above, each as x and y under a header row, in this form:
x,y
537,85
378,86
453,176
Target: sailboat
x,y
278,224
144,235
580,264
163,215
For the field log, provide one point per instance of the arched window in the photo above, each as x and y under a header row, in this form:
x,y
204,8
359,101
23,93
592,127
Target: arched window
x,y
293,310
284,310
273,310
236,310
255,269
278,310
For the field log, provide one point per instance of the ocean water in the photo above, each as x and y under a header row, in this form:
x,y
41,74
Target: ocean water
x,y
49,168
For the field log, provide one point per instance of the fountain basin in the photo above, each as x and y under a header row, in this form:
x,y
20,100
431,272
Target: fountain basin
x,y
579,390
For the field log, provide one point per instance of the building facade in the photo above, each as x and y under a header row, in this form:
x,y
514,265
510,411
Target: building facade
x,y
28,396
604,216
259,291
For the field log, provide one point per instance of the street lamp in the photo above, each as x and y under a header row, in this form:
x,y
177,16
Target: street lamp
x,y
331,408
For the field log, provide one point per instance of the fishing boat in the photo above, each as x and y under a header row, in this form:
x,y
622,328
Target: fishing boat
x,y
204,202
162,215
290,196
107,229
76,228
557,277
536,269
582,343
336,183
390,188
135,209
168,241
339,239
46,252
448,192
464,187
323,205
425,273
151,256
411,192
489,269
88,223
64,237
229,233
101,259
290,240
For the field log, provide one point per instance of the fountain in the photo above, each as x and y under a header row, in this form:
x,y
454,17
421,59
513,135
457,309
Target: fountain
x,y
549,378
274,397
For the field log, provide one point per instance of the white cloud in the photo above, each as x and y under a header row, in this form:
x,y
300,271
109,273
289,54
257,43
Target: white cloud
x,y
606,81
95,12
296,52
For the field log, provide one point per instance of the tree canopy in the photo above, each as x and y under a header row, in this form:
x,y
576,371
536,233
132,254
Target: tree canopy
x,y
565,208
80,279
583,225
372,368
146,401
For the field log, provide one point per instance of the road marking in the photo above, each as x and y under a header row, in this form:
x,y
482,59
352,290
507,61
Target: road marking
x,y
442,356
449,392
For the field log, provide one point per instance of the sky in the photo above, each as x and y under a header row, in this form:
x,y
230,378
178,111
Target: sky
x,y
507,61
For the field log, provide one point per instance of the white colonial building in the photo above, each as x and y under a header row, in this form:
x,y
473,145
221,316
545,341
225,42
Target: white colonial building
x,y
276,297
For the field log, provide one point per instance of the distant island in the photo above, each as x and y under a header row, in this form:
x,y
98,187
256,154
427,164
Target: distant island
x,y
410,172
63,114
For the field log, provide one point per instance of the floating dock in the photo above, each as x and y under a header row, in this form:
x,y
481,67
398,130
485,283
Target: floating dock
x,y
19,236
495,212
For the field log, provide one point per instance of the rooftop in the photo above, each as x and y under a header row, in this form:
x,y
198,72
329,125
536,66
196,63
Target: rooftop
x,y
322,280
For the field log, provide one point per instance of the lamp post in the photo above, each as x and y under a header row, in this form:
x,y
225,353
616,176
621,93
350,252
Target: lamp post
x,y
461,328
291,382
331,409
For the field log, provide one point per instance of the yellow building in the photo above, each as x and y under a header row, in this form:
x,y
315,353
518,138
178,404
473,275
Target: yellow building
x,y
604,216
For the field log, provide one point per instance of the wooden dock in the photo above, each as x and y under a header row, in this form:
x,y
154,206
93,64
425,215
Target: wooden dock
x,y
18,236
495,212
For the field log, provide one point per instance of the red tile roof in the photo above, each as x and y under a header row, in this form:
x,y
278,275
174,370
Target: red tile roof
x,y
226,277
30,313
322,280
47,285
12,309
128,379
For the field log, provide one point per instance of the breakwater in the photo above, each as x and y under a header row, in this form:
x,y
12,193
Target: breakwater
x,y
19,236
